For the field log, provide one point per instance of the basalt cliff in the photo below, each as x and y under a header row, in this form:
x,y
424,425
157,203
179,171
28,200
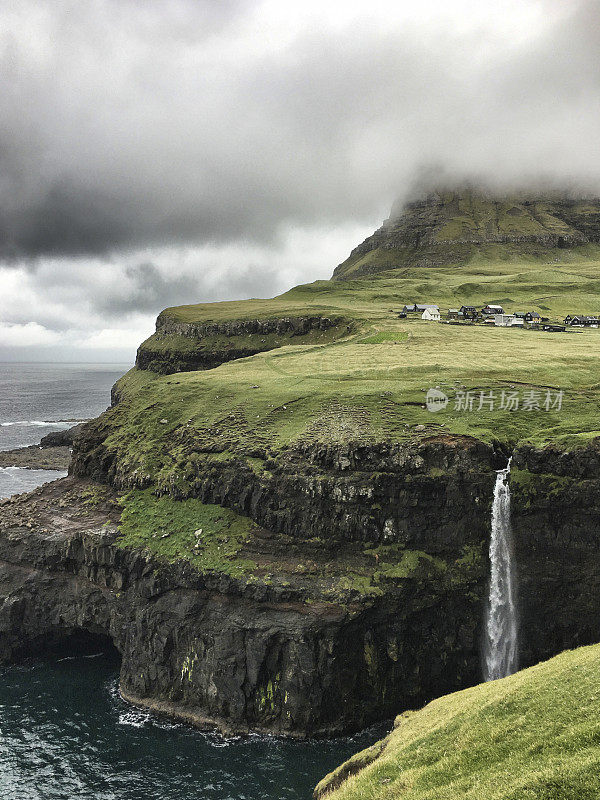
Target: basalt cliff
x,y
275,532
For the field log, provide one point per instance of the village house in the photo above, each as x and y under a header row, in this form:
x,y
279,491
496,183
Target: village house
x,y
419,307
581,321
532,317
431,313
468,312
453,313
490,310
508,321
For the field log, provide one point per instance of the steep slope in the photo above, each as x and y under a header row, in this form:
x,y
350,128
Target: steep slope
x,y
455,227
533,735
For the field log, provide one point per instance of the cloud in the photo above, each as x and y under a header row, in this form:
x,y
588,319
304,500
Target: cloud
x,y
27,335
167,152
187,122
146,288
86,307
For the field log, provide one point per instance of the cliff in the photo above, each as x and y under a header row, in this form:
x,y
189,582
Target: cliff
x,y
291,636
180,346
278,535
311,603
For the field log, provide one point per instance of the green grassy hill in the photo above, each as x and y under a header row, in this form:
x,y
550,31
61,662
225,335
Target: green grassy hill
x,y
378,372
284,446
535,735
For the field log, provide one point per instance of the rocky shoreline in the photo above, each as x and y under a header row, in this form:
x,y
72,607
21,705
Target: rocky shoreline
x,y
52,453
36,457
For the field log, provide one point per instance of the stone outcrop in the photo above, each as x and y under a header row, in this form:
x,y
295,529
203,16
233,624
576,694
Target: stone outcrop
x,y
36,457
53,452
183,346
61,438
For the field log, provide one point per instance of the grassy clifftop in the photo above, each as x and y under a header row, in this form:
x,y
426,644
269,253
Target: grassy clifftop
x,y
369,383
556,282
534,735
300,383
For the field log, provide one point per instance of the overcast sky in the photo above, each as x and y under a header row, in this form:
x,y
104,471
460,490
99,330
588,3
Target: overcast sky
x,y
168,151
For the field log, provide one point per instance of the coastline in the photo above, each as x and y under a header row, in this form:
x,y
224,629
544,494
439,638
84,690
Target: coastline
x,y
37,457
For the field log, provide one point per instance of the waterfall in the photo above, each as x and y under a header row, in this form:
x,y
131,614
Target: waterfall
x,y
500,652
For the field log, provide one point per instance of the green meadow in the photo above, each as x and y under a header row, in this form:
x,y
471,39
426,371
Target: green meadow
x,y
532,736
370,384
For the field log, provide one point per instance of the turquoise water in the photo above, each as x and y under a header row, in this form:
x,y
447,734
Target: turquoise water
x,y
65,733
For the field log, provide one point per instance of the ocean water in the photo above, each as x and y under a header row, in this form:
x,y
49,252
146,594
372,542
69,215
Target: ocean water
x,y
38,398
65,734
14,480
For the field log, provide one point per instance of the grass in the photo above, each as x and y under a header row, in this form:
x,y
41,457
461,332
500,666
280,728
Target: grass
x,y
535,735
215,539
370,385
360,391
208,536
385,337
563,281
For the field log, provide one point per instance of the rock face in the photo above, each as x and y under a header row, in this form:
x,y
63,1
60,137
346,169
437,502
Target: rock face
x,y
289,655
219,652
182,346
61,438
451,226
556,524
383,493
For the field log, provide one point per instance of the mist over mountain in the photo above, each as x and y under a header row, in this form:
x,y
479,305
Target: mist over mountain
x,y
452,225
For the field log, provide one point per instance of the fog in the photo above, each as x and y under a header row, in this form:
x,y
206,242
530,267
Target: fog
x,y
180,151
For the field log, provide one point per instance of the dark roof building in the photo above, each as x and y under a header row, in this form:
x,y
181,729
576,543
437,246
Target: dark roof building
x,y
491,309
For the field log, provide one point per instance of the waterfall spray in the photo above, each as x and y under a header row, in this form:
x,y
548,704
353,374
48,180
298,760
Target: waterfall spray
x,y
501,615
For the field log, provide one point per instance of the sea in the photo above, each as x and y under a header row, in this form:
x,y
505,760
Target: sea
x,y
65,732
36,399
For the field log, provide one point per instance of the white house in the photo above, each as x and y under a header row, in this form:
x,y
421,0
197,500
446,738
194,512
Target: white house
x,y
431,312
508,321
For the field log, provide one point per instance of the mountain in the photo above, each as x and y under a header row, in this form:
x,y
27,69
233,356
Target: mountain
x,y
454,227
533,735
